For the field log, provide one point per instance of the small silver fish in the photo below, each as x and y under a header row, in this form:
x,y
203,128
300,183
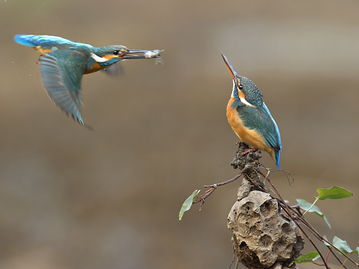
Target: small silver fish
x,y
153,54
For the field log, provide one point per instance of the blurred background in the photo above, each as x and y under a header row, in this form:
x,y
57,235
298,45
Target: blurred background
x,y
109,198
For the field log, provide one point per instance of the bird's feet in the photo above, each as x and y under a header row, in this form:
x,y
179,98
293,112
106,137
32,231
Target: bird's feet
x,y
248,151
245,155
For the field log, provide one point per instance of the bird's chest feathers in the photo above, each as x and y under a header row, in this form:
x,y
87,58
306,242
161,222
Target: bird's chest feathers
x,y
94,66
247,135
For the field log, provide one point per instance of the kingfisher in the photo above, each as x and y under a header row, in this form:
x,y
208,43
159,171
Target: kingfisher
x,y
250,118
64,62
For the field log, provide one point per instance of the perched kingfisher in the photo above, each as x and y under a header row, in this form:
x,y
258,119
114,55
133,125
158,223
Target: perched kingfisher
x,y
250,118
64,62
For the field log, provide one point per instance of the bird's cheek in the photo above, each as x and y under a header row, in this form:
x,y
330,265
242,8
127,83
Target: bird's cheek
x,y
241,94
110,56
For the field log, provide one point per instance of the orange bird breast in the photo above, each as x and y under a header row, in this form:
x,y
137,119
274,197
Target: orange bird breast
x,y
96,66
249,136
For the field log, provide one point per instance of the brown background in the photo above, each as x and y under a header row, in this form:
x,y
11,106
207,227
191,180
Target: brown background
x,y
72,198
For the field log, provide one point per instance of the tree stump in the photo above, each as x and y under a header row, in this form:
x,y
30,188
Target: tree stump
x,y
263,237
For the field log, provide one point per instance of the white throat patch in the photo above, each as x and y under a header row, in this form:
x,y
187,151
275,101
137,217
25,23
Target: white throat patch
x,y
243,100
98,58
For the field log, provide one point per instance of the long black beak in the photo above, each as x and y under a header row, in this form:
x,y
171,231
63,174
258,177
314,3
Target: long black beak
x,y
230,67
142,54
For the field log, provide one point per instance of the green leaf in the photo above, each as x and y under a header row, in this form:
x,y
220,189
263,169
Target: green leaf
x,y
187,204
308,257
342,245
308,207
333,193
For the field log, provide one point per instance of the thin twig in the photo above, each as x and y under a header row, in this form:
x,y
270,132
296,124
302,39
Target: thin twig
x,y
300,217
322,239
310,240
310,227
336,257
288,174
211,188
224,182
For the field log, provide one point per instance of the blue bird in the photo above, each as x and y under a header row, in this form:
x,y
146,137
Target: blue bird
x,y
64,62
249,116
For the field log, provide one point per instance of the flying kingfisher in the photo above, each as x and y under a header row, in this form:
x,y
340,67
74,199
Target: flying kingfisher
x,y
249,116
64,62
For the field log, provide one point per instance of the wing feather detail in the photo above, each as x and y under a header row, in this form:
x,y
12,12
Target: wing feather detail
x,y
61,73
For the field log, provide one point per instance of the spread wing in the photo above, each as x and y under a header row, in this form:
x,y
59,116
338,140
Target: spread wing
x,y
61,72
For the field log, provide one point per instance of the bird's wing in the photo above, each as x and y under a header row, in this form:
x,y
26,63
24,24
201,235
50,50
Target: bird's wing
x,y
45,41
48,42
261,120
276,137
61,72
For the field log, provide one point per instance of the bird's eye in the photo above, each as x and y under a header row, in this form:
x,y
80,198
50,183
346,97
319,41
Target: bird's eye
x,y
116,52
239,84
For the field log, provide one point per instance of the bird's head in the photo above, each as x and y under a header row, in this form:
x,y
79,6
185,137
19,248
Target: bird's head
x,y
111,54
244,89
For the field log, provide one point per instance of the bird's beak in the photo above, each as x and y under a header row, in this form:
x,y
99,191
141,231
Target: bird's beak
x,y
230,68
235,77
141,54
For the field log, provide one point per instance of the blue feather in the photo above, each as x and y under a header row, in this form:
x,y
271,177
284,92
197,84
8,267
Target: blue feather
x,y
24,40
277,158
275,124
277,152
46,41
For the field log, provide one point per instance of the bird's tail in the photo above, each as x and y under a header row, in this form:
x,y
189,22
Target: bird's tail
x,y
277,157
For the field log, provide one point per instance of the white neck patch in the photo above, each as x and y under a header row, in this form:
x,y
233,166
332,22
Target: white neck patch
x,y
244,101
98,58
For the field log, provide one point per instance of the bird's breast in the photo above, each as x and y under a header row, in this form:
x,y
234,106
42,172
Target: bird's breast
x,y
94,67
245,134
